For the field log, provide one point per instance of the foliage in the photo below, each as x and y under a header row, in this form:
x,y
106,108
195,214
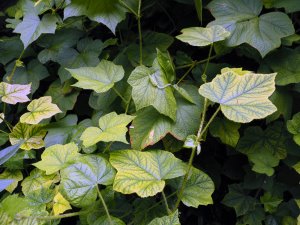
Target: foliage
x,y
150,112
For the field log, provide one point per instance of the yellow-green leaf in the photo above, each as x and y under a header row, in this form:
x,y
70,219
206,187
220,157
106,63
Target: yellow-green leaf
x,y
243,98
39,109
171,219
30,135
100,78
60,204
144,173
15,175
57,157
14,93
112,128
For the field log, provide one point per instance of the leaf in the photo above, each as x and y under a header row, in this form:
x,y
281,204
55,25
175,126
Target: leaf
x,y
286,64
8,152
37,180
14,93
226,130
41,197
199,8
14,175
103,220
264,148
270,202
10,49
57,157
293,127
107,12
242,98
112,128
290,6
198,189
4,183
167,220
144,173
239,200
150,126
60,204
39,109
166,65
203,36
79,181
32,26
31,135
253,217
241,18
145,93
100,78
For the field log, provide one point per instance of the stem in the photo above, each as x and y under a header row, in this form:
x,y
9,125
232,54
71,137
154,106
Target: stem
x,y
207,62
57,216
197,62
187,72
202,118
166,203
107,147
104,205
140,32
128,7
119,94
128,104
208,123
11,75
2,131
9,126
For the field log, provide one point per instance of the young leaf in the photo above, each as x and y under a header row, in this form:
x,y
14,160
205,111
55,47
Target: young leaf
x,y
15,175
79,181
270,202
243,98
145,93
112,128
293,127
31,135
39,109
14,93
167,220
100,78
8,152
60,204
203,36
32,26
226,130
107,12
57,157
241,18
144,173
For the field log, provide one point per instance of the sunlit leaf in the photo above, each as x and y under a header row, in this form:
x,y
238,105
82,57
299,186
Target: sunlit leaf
x,y
144,173
57,157
167,220
79,180
112,128
243,98
203,36
60,204
100,78
14,93
39,109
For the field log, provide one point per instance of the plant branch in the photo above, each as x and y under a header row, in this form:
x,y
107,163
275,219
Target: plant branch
x,y
207,62
11,75
104,205
140,32
187,72
196,62
67,215
166,203
208,123
128,7
119,94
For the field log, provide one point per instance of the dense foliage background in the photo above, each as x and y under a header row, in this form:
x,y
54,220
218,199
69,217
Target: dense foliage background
x,y
103,121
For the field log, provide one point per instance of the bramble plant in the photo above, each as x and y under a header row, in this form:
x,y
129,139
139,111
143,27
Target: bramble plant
x,y
150,112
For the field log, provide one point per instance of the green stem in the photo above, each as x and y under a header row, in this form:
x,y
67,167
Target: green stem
x,y
107,147
2,131
9,126
128,7
208,123
197,62
140,32
104,205
11,75
67,215
202,118
127,105
187,72
158,203
207,62
166,203
119,94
